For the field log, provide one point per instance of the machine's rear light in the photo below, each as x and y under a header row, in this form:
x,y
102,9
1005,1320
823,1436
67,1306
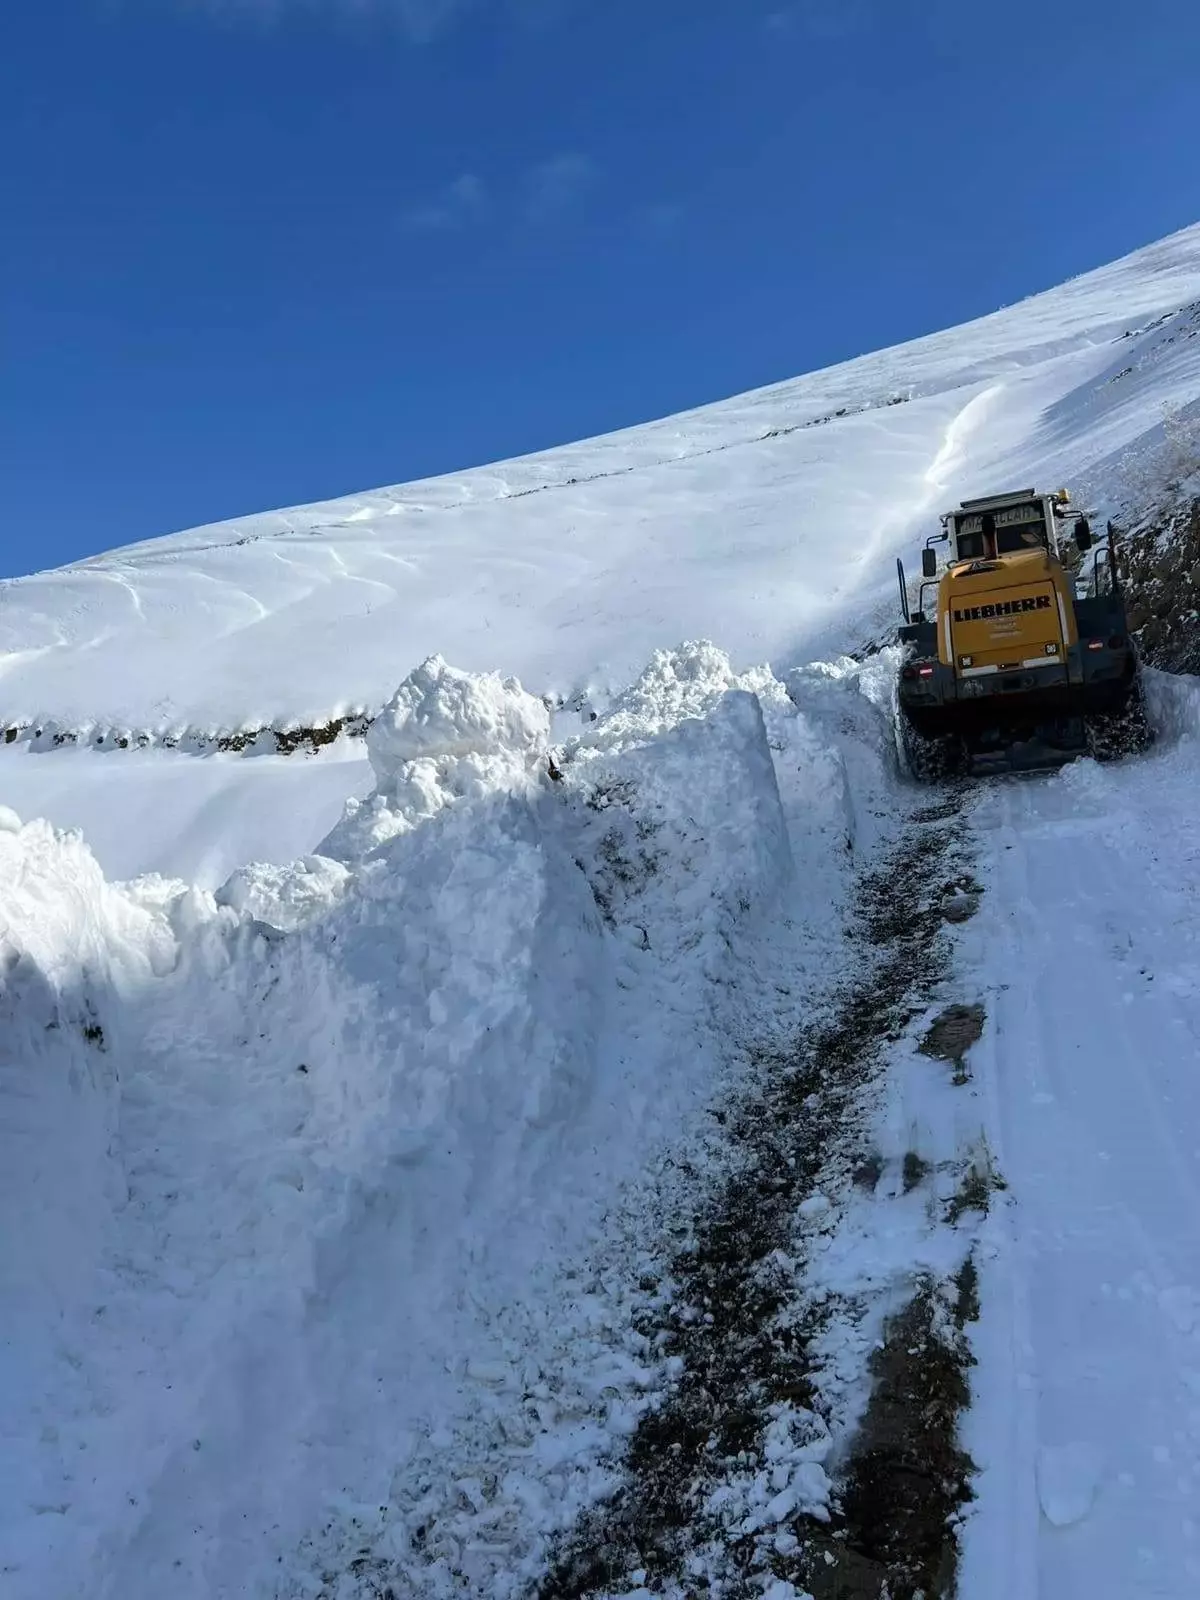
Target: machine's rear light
x,y
908,674
927,672
1117,642
1095,644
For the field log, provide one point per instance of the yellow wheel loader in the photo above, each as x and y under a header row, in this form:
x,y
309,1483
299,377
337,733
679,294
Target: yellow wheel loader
x,y
1014,658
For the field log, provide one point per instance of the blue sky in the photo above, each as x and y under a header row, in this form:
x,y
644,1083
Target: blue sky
x,y
258,252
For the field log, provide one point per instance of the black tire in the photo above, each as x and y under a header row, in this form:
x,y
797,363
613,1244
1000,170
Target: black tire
x,y
1116,735
929,760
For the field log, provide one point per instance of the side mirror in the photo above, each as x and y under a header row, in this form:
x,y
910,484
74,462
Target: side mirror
x,y
928,562
1083,534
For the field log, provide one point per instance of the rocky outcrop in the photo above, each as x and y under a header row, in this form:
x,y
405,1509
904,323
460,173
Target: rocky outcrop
x,y
1159,560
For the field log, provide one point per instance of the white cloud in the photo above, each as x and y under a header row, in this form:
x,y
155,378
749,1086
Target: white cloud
x,y
661,219
539,15
459,204
545,193
421,20
821,19
553,186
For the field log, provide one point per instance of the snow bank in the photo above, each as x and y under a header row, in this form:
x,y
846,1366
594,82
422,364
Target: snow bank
x,y
72,948
847,708
680,772
74,951
1173,700
306,1160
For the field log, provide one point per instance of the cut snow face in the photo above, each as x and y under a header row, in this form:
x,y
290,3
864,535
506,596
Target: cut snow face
x,y
336,1137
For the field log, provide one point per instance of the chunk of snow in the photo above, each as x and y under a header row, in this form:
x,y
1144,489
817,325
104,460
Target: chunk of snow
x,y
285,897
445,737
781,1506
1068,1477
439,713
492,1372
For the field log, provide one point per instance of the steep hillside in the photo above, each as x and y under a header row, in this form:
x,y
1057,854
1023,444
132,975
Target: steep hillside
x,y
769,522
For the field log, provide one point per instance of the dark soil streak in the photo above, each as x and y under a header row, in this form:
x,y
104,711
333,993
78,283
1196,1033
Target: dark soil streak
x,y
803,1121
908,1477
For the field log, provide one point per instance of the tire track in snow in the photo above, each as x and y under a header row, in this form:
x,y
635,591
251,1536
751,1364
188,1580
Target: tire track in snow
x,y
1092,1069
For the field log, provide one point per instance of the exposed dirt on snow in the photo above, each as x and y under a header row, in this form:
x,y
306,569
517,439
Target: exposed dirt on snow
x,y
748,1349
952,1035
908,1477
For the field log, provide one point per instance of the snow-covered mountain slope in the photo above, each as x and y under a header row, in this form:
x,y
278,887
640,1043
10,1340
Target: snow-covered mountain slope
x,y
769,522
512,1154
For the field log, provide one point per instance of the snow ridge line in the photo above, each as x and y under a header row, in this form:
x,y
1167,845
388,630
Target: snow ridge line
x,y
781,432
291,531
748,1333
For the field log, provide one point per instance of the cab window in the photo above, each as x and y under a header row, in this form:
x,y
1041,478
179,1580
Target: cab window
x,y
1021,536
1009,539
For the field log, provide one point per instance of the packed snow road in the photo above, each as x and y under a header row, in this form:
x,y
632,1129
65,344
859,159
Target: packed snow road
x,y
818,1303
1087,1418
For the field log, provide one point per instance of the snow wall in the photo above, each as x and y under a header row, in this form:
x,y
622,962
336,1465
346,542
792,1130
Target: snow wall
x,y
298,1165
